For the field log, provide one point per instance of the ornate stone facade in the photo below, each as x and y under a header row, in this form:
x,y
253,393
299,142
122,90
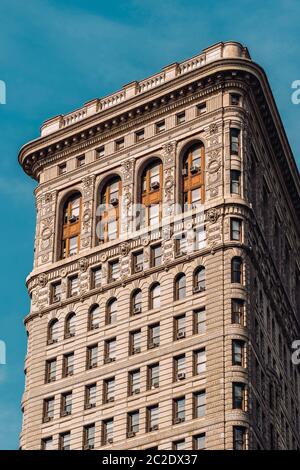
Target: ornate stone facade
x,y
244,184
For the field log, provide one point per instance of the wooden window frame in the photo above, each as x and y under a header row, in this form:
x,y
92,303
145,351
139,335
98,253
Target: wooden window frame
x,y
111,213
190,181
70,229
151,197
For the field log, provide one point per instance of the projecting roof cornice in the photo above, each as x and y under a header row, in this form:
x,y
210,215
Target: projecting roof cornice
x,y
169,90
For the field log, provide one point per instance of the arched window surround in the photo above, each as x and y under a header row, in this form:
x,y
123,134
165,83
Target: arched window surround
x,y
109,198
111,311
69,224
199,276
94,323
191,174
70,325
154,296
150,192
180,286
136,302
52,334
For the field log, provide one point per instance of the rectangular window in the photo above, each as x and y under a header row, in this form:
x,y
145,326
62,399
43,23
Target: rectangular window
x,y
133,419
235,99
234,141
100,152
239,438
180,118
80,161
73,286
179,327
134,382
199,321
199,400
50,370
201,238
110,347
153,376
140,135
108,431
160,126
65,441
179,410
238,349
238,396
200,362
238,311
135,338
179,445
120,144
89,437
152,413
47,443
179,368
236,230
201,108
48,411
96,277
235,182
90,396
109,390
66,404
92,356
56,292
138,261
62,169
199,442
113,270
68,365
155,255
181,244
153,336
153,215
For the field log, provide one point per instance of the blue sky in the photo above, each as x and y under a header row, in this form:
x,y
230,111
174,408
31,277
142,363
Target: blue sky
x,y
56,55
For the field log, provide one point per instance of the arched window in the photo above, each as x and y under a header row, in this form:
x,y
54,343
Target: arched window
x,y
154,299
136,302
110,200
71,226
94,317
111,311
237,270
151,194
52,331
180,287
199,279
193,177
70,325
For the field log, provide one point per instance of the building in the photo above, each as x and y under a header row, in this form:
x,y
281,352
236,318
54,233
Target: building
x,y
152,327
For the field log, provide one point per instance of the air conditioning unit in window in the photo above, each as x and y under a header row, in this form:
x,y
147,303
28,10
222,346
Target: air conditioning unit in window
x,y
51,341
137,310
154,428
179,420
180,334
56,298
155,385
52,379
93,365
90,405
184,172
153,345
69,373
110,400
110,440
108,360
73,219
131,434
95,327
47,419
138,268
136,391
88,447
65,413
114,201
198,289
194,169
136,350
181,376
154,185
69,335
